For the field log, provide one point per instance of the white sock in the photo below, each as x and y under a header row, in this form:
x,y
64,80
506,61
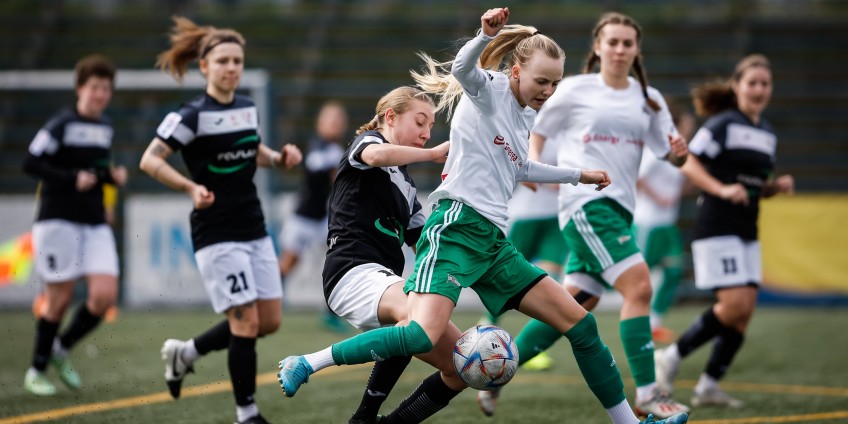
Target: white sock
x,y
705,383
656,320
672,354
320,359
189,352
245,412
58,349
622,414
646,392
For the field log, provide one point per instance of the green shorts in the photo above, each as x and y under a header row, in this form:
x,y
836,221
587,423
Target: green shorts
x,y
460,248
539,240
661,245
601,241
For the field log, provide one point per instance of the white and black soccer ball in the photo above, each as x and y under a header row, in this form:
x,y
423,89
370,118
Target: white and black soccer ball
x,y
485,357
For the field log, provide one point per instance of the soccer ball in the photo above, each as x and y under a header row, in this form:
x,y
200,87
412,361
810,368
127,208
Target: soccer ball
x,y
485,357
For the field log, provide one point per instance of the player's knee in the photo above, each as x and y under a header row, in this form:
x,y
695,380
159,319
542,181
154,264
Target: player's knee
x,y
269,326
417,340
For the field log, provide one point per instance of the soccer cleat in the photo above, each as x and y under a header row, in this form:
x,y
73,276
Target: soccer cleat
x,y
714,397
680,418
256,419
665,371
540,362
175,367
488,401
67,373
37,383
661,405
294,372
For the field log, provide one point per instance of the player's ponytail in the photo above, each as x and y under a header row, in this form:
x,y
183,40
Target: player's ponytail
x,y
717,96
190,41
638,68
397,100
514,44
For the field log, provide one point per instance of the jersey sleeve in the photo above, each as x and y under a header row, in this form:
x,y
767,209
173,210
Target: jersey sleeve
x,y
707,143
178,129
355,155
45,145
475,81
416,224
662,125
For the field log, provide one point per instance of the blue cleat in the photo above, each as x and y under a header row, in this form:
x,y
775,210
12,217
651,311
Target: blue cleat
x,y
294,371
680,418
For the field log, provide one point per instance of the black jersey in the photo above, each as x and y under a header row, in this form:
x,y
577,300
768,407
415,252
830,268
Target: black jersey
x,y
219,143
65,145
320,163
733,150
372,212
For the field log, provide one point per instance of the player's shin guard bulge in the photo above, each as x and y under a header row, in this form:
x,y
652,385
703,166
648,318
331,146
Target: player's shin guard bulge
x,y
596,362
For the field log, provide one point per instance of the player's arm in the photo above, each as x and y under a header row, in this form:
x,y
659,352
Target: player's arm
x,y
289,156
698,174
154,163
782,184
385,154
464,67
537,172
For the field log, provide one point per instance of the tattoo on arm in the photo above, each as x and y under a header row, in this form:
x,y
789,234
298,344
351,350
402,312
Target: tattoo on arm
x,y
158,150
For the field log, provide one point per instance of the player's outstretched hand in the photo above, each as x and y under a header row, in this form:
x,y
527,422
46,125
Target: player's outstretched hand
x,y
734,193
291,156
493,20
679,151
440,152
598,177
201,197
119,175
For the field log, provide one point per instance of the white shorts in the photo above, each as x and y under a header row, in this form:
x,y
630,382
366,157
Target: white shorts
x,y
237,273
65,251
299,233
726,261
357,295
590,285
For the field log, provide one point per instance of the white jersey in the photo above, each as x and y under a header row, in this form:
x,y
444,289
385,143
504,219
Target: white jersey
x,y
489,140
598,127
542,203
666,181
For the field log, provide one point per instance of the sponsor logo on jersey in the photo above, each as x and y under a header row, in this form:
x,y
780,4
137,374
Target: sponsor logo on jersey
x,y
499,140
243,155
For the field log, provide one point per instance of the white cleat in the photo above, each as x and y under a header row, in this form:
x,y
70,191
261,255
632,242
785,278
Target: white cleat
x,y
661,405
488,401
714,397
175,367
665,371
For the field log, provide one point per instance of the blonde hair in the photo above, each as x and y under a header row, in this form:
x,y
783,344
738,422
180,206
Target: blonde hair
x,y
397,100
638,67
514,45
716,96
190,41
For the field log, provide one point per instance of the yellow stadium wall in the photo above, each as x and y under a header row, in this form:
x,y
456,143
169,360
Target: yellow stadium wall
x,y
805,243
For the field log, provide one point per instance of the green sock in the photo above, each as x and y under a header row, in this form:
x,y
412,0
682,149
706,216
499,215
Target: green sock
x,y
381,344
596,362
664,296
639,348
535,338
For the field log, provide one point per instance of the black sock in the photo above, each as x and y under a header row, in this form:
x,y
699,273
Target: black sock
x,y
701,331
383,377
82,324
242,364
726,345
430,397
216,337
45,332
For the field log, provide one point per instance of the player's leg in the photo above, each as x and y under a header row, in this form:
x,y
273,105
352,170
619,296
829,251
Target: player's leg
x,y
665,247
58,296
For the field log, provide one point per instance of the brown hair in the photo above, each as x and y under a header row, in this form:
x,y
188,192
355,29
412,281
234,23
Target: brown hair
x,y
638,67
716,96
190,41
397,100
514,45
95,65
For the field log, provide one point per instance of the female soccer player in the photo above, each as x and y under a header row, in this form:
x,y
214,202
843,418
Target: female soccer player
x,y
658,191
732,162
70,155
308,224
463,243
218,133
605,120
